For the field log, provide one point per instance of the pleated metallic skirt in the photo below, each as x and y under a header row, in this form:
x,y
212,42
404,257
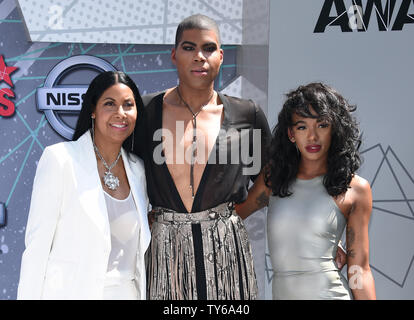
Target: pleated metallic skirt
x,y
202,255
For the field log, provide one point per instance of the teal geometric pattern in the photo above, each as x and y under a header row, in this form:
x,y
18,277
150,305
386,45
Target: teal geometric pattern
x,y
24,135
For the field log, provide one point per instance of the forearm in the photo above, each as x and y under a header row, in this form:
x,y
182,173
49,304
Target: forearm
x,y
361,282
246,208
257,198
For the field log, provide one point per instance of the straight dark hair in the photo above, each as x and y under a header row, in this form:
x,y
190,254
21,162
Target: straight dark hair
x,y
99,84
197,21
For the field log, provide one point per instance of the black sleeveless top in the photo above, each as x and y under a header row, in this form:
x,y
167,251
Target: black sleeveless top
x,y
223,180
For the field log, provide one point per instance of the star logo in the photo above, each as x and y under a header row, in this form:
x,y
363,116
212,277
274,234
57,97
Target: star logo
x,y
5,72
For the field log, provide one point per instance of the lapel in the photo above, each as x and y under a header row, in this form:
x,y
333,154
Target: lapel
x,y
136,178
89,186
90,190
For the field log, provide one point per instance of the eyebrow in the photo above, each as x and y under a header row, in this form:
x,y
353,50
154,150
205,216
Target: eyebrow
x,y
210,44
194,44
112,99
188,42
318,120
297,122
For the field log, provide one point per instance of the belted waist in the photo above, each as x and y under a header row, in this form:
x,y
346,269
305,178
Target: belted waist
x,y
221,211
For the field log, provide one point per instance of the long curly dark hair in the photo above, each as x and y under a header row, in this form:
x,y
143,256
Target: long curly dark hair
x,y
343,154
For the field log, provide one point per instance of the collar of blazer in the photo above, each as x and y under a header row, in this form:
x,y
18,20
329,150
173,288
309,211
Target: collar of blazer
x,y
90,190
135,172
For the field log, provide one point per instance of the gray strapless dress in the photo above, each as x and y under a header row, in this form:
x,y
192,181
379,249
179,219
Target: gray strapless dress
x,y
303,232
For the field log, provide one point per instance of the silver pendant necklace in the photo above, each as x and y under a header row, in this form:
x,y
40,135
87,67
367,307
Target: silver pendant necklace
x,y
111,181
194,142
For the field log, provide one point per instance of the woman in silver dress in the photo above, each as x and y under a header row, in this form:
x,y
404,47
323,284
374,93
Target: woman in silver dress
x,y
313,194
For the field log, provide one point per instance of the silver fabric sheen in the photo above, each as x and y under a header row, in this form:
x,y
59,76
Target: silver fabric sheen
x,y
303,234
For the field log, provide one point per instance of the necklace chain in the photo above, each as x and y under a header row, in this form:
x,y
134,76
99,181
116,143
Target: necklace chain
x,y
188,106
110,180
194,142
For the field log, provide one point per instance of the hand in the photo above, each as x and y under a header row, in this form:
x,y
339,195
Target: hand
x,y
151,218
340,258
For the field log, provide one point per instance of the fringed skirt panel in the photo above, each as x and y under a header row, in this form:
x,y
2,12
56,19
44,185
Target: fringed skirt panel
x,y
202,255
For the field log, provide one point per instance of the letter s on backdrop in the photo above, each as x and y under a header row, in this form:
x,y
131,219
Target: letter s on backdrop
x,y
6,106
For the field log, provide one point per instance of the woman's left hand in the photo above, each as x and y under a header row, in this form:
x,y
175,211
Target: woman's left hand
x,y
340,258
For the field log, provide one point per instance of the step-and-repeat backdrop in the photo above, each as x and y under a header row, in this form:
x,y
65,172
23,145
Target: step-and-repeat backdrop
x,y
50,51
45,67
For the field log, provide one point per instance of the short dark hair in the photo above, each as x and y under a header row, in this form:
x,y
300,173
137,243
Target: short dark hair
x,y
97,87
343,155
196,21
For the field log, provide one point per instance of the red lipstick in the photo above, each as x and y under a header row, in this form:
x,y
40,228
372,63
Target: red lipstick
x,y
313,148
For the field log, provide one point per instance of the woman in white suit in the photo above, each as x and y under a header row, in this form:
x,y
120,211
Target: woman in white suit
x,y
87,230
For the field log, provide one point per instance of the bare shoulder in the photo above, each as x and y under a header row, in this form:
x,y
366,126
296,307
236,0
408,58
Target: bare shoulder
x,y
361,195
360,185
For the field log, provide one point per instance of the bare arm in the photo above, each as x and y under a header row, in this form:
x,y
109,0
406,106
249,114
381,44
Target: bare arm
x,y
257,198
360,277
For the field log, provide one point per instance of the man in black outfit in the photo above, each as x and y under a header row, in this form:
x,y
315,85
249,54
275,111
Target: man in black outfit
x,y
212,146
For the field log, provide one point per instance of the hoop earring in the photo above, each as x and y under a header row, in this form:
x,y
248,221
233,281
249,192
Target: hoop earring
x,y
133,141
297,149
93,130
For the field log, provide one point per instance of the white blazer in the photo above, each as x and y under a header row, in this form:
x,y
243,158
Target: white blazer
x,y
68,238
